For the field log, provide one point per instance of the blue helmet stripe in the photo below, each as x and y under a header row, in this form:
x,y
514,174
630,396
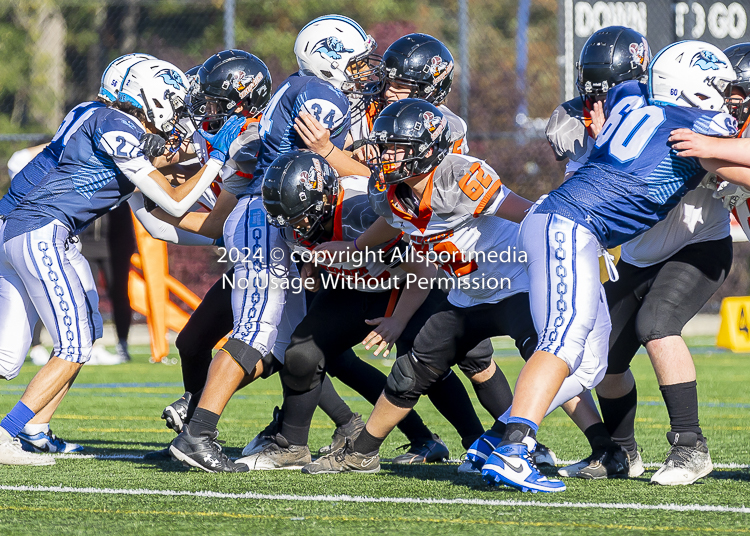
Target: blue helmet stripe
x,y
339,18
651,64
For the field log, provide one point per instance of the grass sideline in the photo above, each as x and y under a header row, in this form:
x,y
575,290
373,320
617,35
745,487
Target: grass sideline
x,y
114,412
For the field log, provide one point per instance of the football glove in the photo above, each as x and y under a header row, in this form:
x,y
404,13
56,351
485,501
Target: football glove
x,y
221,141
152,145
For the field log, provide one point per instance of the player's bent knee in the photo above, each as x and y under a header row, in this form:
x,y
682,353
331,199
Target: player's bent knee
x,y
409,379
245,355
271,365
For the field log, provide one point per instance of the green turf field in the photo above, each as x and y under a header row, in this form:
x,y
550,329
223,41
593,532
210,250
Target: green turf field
x,y
114,412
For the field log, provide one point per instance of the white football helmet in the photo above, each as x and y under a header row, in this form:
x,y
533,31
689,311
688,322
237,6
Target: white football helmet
x,y
115,72
337,49
691,73
158,88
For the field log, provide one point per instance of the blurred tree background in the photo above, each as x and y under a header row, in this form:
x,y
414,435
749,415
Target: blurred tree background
x,y
54,51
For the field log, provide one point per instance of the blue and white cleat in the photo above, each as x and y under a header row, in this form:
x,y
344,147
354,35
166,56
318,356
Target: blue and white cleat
x,y
47,442
511,464
481,449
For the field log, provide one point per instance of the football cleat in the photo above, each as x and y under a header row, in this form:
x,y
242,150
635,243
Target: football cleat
x,y
635,464
602,463
344,460
162,455
688,460
427,450
511,464
47,442
278,454
203,452
467,468
12,453
482,448
265,437
351,430
542,455
178,413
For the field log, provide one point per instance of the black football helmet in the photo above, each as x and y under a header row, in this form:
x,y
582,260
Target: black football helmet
x,y
299,190
416,126
422,62
611,55
739,58
195,102
231,78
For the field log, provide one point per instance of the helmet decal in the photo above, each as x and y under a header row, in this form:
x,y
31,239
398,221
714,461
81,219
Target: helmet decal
x,y
171,78
245,84
439,68
706,60
638,52
331,47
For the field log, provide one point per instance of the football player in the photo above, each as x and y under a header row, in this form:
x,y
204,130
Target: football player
x,y
19,315
610,56
442,201
630,182
331,53
102,164
304,196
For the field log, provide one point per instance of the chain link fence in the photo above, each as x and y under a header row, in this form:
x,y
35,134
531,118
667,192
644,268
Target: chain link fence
x,y
514,58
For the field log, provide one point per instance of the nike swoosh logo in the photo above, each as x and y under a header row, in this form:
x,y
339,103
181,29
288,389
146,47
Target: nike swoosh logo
x,y
518,469
367,461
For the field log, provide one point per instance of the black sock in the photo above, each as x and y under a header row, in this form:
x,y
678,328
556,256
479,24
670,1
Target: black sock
x,y
193,405
499,427
516,431
333,405
370,382
450,398
203,421
619,418
299,407
494,394
599,437
682,405
367,443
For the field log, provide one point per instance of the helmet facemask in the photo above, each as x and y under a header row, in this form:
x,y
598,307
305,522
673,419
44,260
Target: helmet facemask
x,y
171,129
400,159
364,72
308,227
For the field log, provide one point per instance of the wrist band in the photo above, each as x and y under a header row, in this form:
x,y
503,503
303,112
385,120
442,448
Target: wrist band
x,y
355,245
329,152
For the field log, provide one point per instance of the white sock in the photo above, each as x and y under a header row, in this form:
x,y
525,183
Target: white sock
x,y
33,429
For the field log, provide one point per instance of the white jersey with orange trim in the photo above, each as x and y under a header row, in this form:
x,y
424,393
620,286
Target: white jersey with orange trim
x,y
455,221
364,113
377,271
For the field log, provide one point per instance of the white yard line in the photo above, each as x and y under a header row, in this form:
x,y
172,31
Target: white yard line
x,y
386,500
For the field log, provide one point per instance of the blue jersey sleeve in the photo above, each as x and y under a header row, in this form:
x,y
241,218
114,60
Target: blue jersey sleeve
x,y
120,139
328,105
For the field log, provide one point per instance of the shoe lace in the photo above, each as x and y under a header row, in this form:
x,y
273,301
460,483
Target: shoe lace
x,y
679,455
216,445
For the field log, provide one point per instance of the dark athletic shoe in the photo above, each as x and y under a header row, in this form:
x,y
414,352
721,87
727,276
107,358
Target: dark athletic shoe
x,y
351,430
344,460
427,450
178,413
203,452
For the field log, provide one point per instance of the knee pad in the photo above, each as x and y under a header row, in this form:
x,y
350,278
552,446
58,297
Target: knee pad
x,y
651,325
245,355
271,365
409,379
304,365
477,359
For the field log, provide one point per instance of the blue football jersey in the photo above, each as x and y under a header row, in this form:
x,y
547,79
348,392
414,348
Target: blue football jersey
x,y
32,174
91,178
297,94
633,177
